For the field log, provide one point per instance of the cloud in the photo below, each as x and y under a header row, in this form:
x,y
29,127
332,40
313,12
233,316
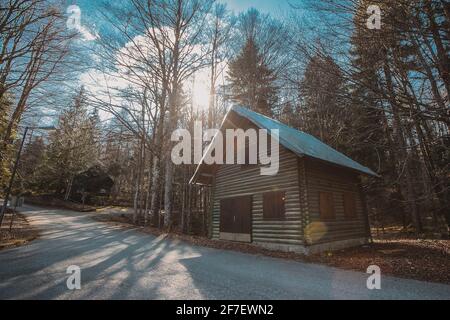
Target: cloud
x,y
87,35
74,23
129,65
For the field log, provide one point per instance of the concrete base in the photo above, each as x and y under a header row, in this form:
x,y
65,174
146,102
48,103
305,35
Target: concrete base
x,y
282,247
336,245
237,237
317,248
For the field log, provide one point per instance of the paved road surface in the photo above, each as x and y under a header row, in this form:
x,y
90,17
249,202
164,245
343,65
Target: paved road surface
x,y
127,264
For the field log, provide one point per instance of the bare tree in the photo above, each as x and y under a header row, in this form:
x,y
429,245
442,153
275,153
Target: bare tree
x,y
34,43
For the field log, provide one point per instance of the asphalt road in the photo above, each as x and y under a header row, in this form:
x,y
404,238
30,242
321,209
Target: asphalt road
x,y
126,264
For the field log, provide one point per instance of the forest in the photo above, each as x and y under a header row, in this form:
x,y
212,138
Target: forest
x,y
380,95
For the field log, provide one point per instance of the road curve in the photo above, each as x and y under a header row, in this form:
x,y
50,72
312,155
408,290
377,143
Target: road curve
x,y
127,264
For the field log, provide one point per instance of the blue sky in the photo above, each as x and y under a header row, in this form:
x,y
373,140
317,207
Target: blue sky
x,y
274,7
92,10
94,24
267,6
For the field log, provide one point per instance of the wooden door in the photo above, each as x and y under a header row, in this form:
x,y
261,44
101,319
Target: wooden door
x,y
236,217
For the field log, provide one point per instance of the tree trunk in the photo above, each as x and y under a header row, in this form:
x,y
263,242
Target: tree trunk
x,y
156,189
168,205
443,60
69,188
402,151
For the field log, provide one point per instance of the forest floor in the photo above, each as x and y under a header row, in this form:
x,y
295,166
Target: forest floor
x,y
21,232
396,254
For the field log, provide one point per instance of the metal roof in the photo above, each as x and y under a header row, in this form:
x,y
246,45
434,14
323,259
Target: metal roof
x,y
300,142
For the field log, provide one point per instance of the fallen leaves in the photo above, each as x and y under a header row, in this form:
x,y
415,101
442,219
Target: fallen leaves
x,y
20,234
427,260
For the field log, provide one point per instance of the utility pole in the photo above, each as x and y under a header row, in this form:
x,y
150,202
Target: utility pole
x,y
16,163
11,181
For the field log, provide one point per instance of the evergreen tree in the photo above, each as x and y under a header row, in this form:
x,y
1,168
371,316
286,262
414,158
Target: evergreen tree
x,y
118,155
29,178
322,92
390,129
252,83
73,147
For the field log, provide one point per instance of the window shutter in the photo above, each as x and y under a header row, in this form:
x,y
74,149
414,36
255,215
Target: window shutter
x,y
349,205
326,206
274,205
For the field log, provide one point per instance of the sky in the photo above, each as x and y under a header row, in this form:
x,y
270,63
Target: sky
x,y
91,27
267,6
274,7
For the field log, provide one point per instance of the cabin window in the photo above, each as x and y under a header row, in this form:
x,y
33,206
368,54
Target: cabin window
x,y
274,205
349,205
326,206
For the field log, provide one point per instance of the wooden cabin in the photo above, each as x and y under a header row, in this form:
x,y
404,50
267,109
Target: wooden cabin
x,y
313,204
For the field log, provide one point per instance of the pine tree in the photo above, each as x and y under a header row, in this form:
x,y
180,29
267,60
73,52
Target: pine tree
x,y
322,92
390,127
29,178
252,83
73,147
